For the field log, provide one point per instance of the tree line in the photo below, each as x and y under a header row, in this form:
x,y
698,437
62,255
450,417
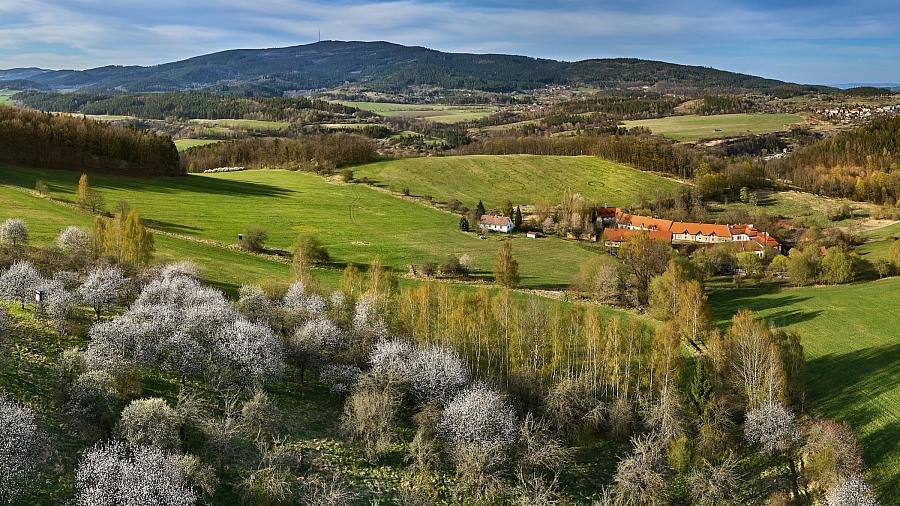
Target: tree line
x,y
57,141
863,164
321,153
184,105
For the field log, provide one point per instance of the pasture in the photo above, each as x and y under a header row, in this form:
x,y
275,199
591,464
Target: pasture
x,y
520,178
243,124
850,339
5,96
185,144
356,223
878,243
691,128
434,112
806,209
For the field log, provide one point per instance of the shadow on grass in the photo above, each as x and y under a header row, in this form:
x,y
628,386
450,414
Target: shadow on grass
x,y
724,303
841,386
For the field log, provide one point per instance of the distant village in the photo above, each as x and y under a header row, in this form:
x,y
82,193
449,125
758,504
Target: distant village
x,y
853,114
619,225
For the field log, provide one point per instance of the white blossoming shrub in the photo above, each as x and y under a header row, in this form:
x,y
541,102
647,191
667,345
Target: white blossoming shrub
x,y
367,322
183,327
19,281
150,422
13,233
392,358
74,240
306,304
104,287
481,418
772,427
253,304
19,444
854,491
184,268
339,378
434,373
115,473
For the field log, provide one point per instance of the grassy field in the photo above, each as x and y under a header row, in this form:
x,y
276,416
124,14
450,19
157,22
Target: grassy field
x,y
692,127
5,94
183,144
879,241
356,223
851,339
807,209
244,124
434,112
519,178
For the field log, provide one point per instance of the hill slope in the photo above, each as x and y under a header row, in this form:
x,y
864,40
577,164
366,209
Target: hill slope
x,y
387,66
522,179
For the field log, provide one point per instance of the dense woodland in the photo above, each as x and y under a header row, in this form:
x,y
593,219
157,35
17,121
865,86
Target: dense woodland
x,y
187,105
57,141
863,163
323,153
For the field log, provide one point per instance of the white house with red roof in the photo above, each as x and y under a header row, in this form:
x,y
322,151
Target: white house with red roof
x,y
496,223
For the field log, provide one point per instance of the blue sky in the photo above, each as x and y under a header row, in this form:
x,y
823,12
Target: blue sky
x,y
803,41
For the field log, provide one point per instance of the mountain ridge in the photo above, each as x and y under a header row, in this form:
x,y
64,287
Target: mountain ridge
x,y
389,66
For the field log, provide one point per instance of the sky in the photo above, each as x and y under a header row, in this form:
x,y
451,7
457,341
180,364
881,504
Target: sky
x,y
806,41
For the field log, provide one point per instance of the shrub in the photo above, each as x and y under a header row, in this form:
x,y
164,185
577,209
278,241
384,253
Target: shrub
x,y
347,175
94,401
642,477
854,491
261,415
41,187
308,252
74,240
19,449
14,233
19,281
370,417
71,365
772,427
104,287
481,427
254,239
150,422
339,378
253,304
115,473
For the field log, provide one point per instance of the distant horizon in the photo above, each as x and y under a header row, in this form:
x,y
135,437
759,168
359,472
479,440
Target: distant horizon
x,y
802,41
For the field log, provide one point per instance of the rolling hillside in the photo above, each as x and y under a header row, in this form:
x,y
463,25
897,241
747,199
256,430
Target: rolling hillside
x,y
520,178
354,222
387,66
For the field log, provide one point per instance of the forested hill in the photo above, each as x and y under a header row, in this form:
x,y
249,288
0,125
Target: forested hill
x,y
387,66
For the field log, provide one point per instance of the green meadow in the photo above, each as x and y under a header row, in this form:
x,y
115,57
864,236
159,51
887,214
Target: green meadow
x,y
185,144
878,243
356,223
851,338
5,96
692,127
519,178
434,112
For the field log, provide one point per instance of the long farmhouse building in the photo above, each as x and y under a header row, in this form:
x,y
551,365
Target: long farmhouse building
x,y
620,225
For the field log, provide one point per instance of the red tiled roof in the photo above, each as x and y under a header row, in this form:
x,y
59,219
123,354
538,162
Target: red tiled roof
x,y
620,234
680,227
495,220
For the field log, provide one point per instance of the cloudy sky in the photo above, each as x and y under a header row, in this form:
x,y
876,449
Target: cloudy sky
x,y
809,41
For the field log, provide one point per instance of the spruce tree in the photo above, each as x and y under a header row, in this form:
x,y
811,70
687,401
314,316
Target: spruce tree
x,y
517,220
479,210
464,224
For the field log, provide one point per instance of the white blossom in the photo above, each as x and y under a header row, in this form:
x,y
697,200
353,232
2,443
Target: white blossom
x,y
13,232
254,350
150,422
854,491
74,240
184,268
366,321
298,300
392,358
114,473
772,427
339,378
435,373
19,444
19,281
103,287
253,304
479,417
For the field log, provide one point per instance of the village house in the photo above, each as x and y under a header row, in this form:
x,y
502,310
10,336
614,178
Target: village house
x,y
496,223
676,232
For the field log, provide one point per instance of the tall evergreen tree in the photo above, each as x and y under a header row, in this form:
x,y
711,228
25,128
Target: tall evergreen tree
x,y
517,220
479,210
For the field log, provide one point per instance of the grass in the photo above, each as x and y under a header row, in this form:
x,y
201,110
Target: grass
x,y
878,246
806,209
693,127
356,223
434,112
185,144
520,178
245,124
850,338
5,96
